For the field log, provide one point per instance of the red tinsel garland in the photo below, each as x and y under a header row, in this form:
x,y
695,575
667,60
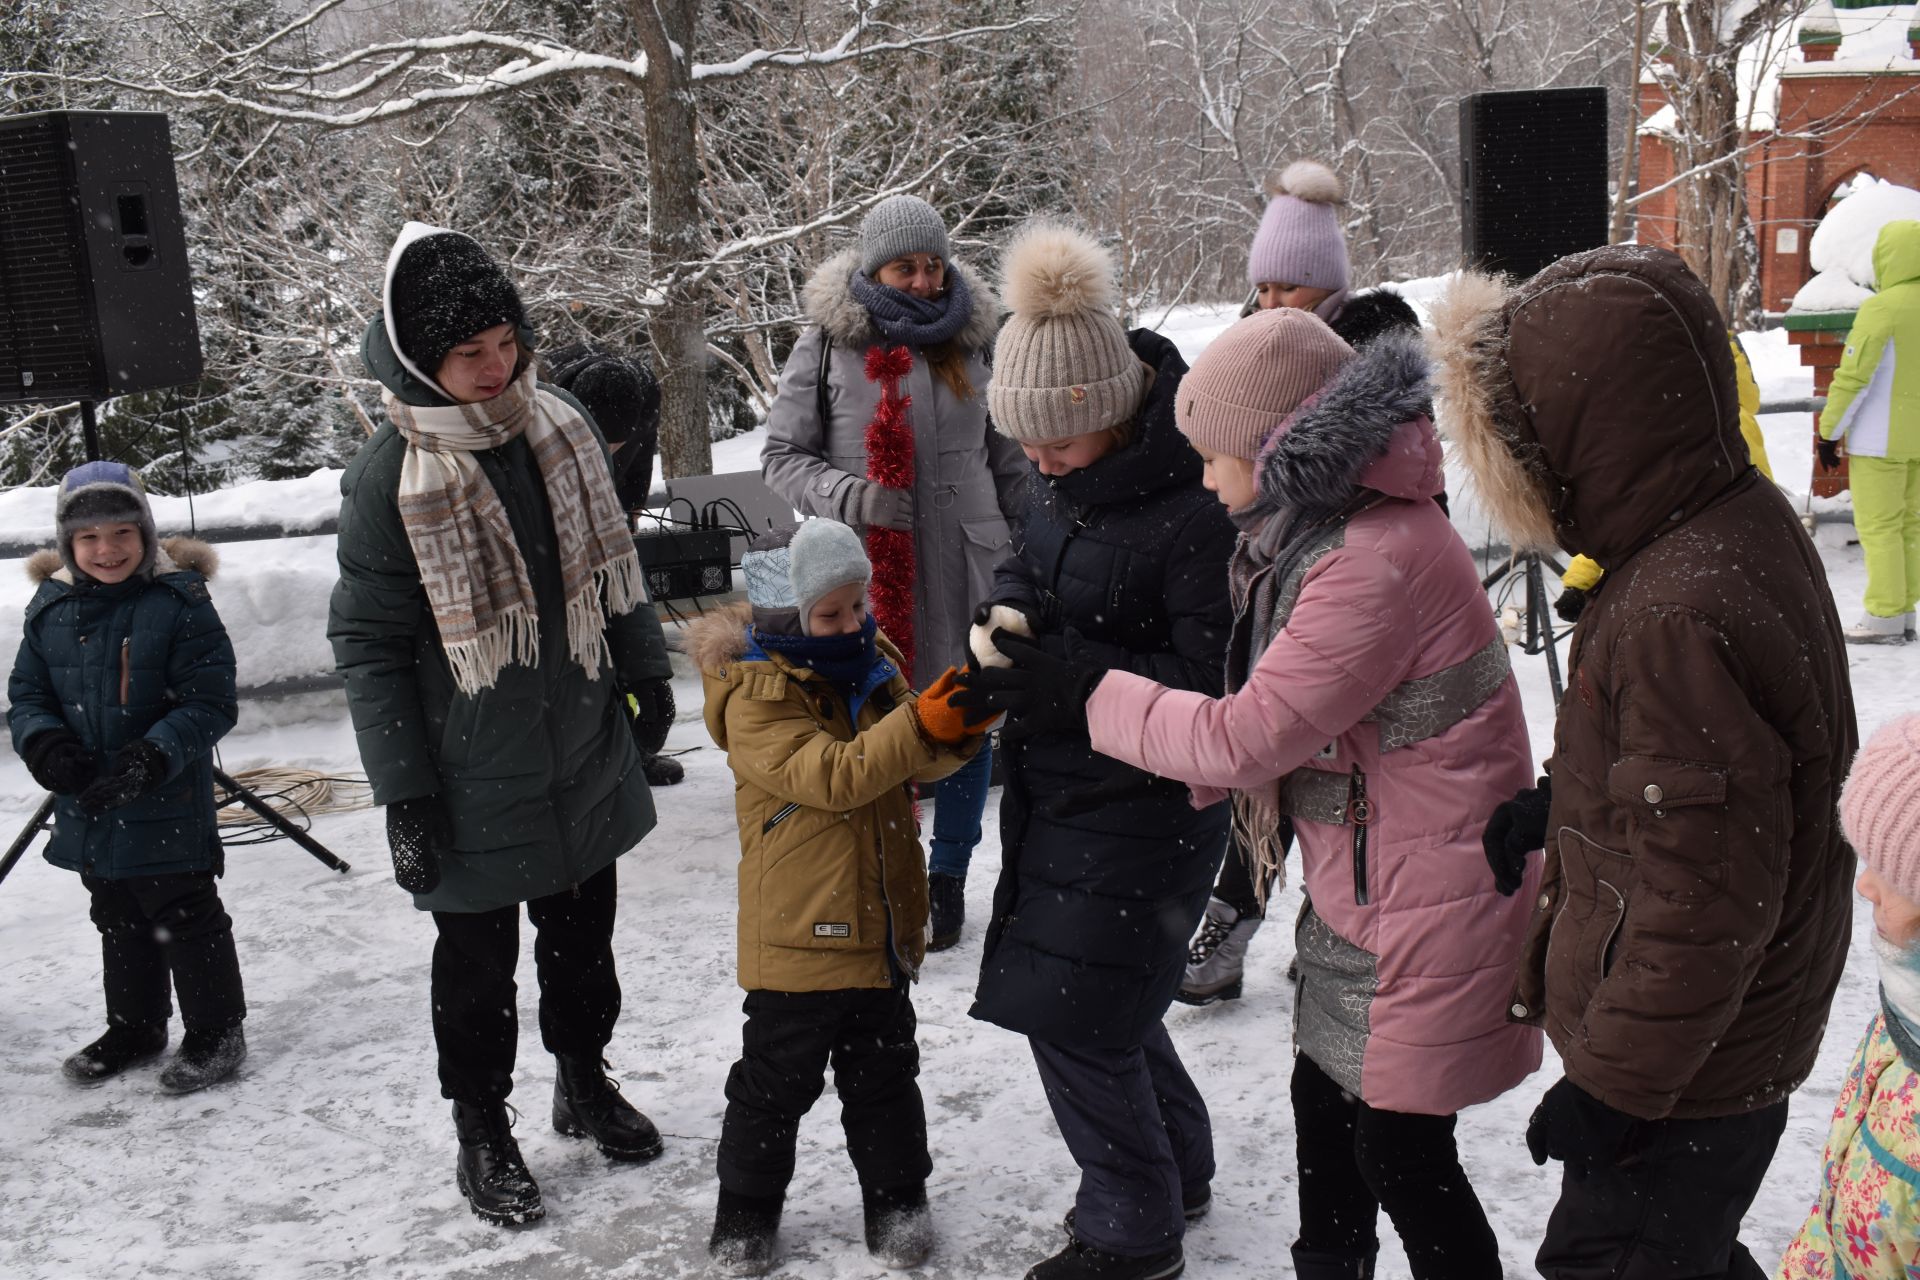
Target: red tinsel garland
x,y
890,463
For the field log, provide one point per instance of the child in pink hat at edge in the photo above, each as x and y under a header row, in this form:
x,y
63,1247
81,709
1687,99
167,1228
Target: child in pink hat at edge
x,y
1866,1222
1371,703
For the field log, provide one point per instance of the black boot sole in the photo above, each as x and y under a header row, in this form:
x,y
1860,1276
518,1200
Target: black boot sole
x,y
523,1216
568,1127
1229,992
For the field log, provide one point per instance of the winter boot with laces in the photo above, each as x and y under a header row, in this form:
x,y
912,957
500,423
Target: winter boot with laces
x,y
207,1056
899,1225
491,1174
946,909
114,1052
1082,1261
588,1105
744,1228
1218,955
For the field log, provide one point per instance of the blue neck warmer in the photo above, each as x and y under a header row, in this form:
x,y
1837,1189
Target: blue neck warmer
x,y
917,322
852,664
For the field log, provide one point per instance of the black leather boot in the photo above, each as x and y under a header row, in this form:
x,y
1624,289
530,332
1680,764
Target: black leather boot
x,y
744,1228
491,1174
114,1052
899,1225
588,1105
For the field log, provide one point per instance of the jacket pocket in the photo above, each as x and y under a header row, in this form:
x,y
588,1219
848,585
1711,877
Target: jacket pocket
x,y
1676,824
987,539
1585,936
810,882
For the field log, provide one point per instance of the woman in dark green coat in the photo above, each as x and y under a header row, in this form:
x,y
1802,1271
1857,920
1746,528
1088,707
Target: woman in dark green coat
x,y
489,620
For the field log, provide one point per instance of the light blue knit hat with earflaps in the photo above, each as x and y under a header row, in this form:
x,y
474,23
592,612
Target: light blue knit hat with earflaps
x,y
102,492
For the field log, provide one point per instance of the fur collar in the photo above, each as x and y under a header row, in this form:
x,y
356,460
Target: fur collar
x,y
717,637
175,554
828,302
1312,467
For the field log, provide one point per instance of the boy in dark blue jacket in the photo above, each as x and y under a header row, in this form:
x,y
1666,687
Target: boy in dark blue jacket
x,y
123,683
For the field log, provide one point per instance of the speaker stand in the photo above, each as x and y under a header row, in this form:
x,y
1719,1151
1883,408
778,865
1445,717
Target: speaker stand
x,y
89,431
1538,636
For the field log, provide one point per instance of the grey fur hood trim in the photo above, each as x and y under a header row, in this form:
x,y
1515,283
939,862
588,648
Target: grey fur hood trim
x,y
1311,468
828,302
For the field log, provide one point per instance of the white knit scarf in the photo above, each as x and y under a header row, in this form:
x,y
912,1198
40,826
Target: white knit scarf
x,y
475,577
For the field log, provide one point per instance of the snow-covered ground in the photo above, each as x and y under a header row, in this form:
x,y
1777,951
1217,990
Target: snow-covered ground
x,y
332,1154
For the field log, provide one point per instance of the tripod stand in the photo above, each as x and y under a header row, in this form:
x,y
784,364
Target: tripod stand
x,y
1537,617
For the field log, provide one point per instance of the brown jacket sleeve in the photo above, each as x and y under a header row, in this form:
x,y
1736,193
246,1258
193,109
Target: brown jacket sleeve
x,y
1703,780
789,756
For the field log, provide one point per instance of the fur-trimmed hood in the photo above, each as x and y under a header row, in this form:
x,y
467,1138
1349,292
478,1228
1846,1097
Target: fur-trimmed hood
x,y
1366,428
716,638
1595,404
828,302
175,554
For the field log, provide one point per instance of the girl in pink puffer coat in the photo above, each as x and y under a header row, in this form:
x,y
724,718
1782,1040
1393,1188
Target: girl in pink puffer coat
x,y
1370,700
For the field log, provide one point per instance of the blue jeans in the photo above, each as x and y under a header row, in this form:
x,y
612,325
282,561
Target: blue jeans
x,y
959,802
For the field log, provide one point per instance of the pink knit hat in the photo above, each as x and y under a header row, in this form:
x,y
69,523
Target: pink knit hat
x,y
1880,805
1248,382
1299,241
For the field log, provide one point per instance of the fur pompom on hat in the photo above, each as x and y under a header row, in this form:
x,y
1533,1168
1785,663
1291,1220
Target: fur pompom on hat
x,y
1299,240
442,288
103,492
1251,379
1880,805
1062,366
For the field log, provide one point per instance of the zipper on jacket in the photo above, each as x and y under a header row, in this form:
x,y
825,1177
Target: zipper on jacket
x,y
126,668
1360,814
780,816
886,905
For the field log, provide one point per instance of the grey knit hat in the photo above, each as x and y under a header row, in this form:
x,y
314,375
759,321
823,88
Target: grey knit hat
x,y
824,556
900,225
1062,366
103,492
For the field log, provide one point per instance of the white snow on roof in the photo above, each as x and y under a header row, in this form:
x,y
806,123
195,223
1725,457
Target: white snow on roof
x,y
1871,39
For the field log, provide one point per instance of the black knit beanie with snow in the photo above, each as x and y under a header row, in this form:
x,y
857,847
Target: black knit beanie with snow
x,y
446,289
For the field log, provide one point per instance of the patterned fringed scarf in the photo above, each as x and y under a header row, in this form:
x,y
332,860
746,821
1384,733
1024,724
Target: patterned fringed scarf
x,y
474,574
890,462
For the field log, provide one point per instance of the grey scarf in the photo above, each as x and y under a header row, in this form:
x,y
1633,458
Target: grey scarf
x,y
916,322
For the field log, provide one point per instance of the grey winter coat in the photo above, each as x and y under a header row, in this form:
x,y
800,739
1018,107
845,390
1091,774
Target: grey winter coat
x,y
968,479
538,773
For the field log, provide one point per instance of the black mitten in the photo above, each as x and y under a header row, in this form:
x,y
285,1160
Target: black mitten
x,y
1571,604
1829,451
1515,830
1044,691
1574,1127
134,770
417,830
60,762
653,715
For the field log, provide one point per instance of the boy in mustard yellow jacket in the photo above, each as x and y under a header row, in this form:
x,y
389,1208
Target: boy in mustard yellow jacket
x,y
824,738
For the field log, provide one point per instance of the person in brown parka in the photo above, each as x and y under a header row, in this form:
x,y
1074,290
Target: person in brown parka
x,y
1694,913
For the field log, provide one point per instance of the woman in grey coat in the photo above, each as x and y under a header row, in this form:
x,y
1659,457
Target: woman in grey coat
x,y
881,423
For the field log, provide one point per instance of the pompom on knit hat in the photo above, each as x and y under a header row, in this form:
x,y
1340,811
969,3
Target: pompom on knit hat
x,y
1880,805
442,288
1246,385
788,570
1299,240
1062,365
898,226
103,493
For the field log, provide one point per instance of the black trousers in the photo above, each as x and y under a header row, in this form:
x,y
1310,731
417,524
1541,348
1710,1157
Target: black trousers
x,y
1235,886
789,1039
1139,1131
153,928
1356,1160
1671,1209
475,1023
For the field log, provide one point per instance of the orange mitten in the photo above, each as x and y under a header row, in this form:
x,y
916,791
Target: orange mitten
x,y
940,719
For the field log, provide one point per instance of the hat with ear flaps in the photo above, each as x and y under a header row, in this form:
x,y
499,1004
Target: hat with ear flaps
x,y
788,570
442,288
103,492
1062,365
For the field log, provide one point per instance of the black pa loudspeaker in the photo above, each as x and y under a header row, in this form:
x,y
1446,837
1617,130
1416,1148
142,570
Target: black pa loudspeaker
x,y
1533,177
95,299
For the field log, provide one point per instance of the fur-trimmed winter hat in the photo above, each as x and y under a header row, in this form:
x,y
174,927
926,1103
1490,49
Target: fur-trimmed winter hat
x,y
1252,378
103,492
1299,240
1062,366
441,289
788,570
1880,805
898,226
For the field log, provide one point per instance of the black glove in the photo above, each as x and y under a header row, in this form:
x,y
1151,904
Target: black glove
x,y
653,717
1515,830
1829,451
1574,1127
1044,691
417,830
60,762
982,612
134,770
1571,604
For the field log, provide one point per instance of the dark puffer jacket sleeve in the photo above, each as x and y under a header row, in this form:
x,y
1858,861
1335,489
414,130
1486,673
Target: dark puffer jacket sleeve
x,y
33,707
377,611
201,673
1705,782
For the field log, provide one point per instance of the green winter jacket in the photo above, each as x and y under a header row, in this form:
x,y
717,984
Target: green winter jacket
x,y
538,773
1874,402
